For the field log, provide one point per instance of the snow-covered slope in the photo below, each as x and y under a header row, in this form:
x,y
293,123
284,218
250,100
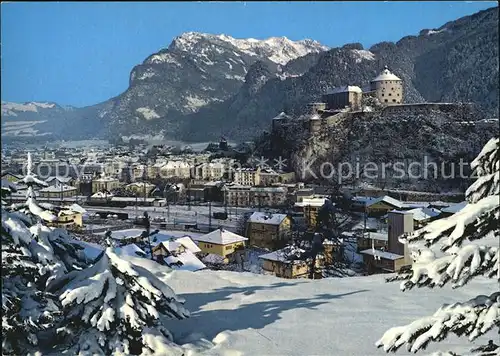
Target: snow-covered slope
x,y
46,120
265,315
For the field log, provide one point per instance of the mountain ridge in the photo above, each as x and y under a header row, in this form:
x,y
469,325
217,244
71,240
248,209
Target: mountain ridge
x,y
198,87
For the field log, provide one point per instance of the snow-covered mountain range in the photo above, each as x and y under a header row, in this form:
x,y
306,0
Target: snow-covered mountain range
x,y
203,85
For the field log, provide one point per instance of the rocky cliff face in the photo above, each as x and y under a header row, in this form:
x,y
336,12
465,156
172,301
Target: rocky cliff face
x,y
358,146
457,62
194,71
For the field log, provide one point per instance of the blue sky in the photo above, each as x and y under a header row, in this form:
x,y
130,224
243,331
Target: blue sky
x,y
82,53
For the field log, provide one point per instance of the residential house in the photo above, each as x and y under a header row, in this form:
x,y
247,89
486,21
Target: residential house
x,y
382,205
266,230
286,263
237,195
397,254
222,243
179,253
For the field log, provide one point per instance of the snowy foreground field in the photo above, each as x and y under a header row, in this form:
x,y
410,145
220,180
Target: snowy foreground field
x,y
236,314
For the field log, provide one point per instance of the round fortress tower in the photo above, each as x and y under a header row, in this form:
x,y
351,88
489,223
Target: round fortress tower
x,y
388,88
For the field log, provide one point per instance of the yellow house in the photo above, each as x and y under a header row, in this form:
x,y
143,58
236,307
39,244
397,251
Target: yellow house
x,y
221,242
281,265
67,219
267,230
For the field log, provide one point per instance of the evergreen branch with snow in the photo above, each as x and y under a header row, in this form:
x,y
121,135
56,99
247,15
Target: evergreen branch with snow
x,y
472,318
462,261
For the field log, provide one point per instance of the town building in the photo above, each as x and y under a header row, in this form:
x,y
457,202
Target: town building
x,y
247,176
284,264
141,189
222,243
268,196
58,191
58,180
105,183
266,230
310,207
236,195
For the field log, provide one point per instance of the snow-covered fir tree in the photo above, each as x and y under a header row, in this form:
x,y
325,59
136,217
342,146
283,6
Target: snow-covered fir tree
x,y
116,307
469,242
55,302
28,310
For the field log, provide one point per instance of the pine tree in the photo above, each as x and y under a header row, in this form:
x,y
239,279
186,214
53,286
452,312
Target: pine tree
x,y
27,309
463,260
31,207
116,307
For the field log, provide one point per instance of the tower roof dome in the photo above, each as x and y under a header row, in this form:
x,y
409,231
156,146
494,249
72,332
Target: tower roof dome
x,y
385,75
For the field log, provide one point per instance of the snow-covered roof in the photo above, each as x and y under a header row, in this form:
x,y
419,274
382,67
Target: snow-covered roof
x,y
382,254
312,202
220,237
101,195
386,74
106,179
455,208
420,214
266,218
131,250
188,260
76,208
188,243
58,189
268,189
386,199
345,88
60,179
283,255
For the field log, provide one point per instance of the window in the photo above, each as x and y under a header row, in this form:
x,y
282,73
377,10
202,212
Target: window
x,y
398,94
393,100
390,94
386,100
382,94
